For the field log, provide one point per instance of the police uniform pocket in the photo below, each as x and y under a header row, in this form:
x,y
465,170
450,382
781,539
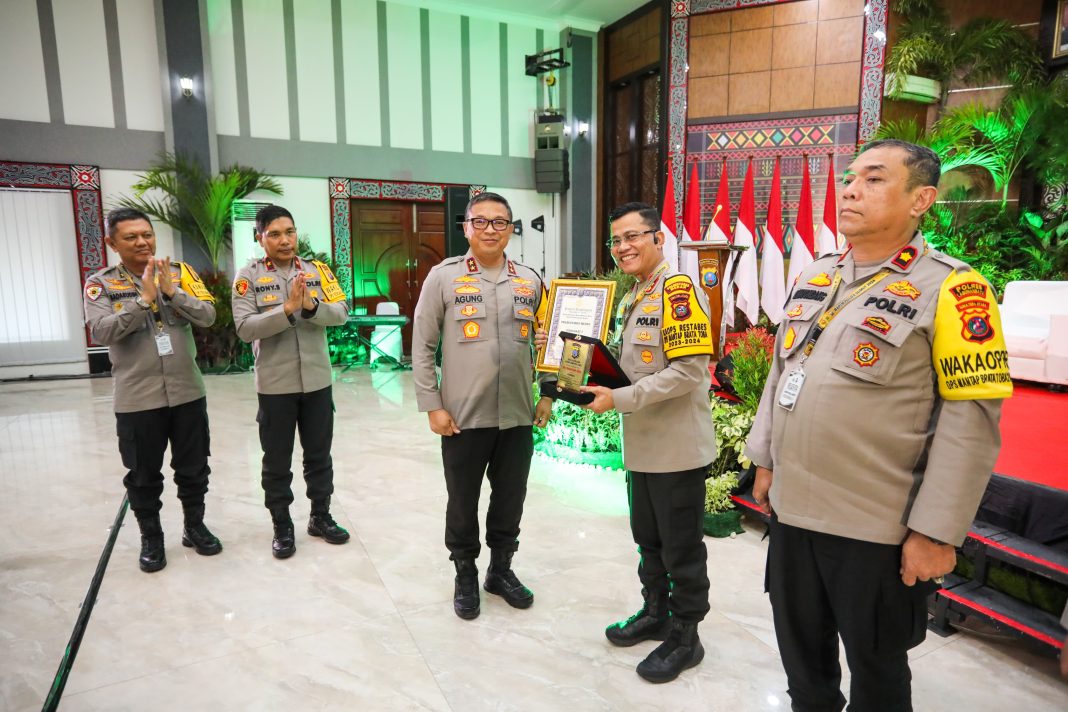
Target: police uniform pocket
x,y
127,444
871,349
471,327
795,328
524,322
901,616
687,505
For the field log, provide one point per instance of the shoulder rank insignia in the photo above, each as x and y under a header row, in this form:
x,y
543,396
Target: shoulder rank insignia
x,y
905,258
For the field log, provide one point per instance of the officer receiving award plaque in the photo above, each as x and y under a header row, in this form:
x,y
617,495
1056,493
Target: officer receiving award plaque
x,y
582,359
577,306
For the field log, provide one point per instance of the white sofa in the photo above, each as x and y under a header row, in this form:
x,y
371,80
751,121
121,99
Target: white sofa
x,y
1035,318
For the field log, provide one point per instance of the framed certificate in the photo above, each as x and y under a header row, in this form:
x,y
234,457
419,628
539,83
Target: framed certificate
x,y
579,306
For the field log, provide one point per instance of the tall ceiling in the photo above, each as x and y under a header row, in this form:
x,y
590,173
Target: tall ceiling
x,y
582,14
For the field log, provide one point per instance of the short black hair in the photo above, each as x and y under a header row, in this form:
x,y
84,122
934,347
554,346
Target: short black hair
x,y
268,214
118,215
487,197
923,164
649,215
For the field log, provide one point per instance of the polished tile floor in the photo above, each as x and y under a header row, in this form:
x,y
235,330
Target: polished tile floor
x,y
369,625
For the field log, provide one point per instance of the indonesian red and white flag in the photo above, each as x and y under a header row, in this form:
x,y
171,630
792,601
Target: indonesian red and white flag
x,y
691,227
745,275
719,230
772,283
827,239
667,223
801,251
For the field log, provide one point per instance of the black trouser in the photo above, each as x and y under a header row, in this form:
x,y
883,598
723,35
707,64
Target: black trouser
x,y
824,586
312,416
666,517
143,438
504,457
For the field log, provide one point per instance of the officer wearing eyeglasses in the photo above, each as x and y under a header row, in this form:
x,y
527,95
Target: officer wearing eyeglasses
x,y
483,308
663,339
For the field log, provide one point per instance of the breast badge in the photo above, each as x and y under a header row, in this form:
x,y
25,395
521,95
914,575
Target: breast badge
x,y
866,354
644,335
466,280
468,310
524,291
520,280
820,280
268,298
902,288
796,311
647,356
877,323
650,308
266,279
468,290
789,338
525,312
471,329
524,330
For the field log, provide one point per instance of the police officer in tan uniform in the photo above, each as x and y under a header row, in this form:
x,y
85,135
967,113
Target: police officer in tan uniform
x,y
282,305
141,309
483,309
876,435
664,343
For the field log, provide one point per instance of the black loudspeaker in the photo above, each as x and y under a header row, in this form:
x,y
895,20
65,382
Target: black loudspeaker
x,y
456,197
551,172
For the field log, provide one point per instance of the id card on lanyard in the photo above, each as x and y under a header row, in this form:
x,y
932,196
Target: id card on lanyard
x,y
164,347
795,380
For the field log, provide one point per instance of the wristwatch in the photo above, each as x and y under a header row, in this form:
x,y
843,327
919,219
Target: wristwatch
x,y
140,301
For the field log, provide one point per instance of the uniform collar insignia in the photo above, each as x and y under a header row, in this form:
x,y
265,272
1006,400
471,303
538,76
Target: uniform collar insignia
x,y
269,264
904,259
472,265
511,268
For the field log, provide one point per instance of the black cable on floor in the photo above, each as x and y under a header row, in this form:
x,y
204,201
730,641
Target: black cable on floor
x,y
65,665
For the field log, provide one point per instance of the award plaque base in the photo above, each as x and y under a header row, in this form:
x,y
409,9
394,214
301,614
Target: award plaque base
x,y
585,360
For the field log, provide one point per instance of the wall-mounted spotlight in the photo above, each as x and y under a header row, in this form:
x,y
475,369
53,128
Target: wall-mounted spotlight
x,y
583,128
186,83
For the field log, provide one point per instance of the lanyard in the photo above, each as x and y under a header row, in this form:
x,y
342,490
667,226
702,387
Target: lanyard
x,y
829,315
157,317
630,302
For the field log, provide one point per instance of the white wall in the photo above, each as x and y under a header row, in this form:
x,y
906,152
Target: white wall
x,y
309,201
116,183
528,249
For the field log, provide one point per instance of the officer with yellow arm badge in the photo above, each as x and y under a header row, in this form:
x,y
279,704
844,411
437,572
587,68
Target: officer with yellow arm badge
x,y
282,305
664,341
142,309
876,434
483,309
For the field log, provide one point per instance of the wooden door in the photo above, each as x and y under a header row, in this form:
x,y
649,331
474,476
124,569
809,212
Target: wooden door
x,y
394,246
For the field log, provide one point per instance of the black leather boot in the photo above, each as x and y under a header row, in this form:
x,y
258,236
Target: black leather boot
x,y
651,622
323,525
465,594
153,557
198,536
285,539
681,651
501,580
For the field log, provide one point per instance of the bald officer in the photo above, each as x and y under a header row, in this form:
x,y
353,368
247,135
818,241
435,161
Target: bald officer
x,y
876,434
282,305
142,309
664,342
483,310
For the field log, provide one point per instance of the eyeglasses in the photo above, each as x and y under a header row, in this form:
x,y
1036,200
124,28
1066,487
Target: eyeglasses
x,y
499,224
627,239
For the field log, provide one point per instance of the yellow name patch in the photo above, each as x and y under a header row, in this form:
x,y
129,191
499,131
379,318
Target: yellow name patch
x,y
685,329
968,351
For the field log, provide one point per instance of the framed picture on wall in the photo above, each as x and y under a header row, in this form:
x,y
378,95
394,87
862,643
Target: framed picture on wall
x,y
1060,31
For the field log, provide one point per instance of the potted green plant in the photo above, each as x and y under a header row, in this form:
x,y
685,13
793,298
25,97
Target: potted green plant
x,y
721,518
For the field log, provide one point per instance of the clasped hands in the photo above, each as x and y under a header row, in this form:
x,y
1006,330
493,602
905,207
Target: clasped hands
x,y
441,421
149,289
299,296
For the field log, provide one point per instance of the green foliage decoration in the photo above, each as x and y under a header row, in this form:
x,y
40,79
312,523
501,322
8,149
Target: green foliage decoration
x,y
752,363
718,492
